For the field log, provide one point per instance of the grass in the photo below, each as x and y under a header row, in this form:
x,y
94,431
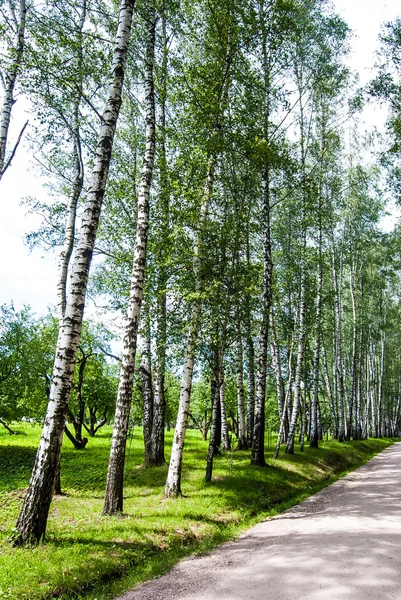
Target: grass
x,y
90,557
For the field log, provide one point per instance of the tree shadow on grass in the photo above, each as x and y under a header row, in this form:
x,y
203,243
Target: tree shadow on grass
x,y
16,464
262,491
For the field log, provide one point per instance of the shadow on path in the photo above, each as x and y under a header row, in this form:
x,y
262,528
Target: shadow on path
x,y
342,543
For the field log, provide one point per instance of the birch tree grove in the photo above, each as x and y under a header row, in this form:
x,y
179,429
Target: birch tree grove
x,y
31,524
241,234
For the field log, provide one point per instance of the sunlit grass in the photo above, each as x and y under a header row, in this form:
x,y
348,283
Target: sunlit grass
x,y
89,556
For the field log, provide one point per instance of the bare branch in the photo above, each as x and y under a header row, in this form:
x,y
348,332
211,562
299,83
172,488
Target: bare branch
x,y
111,355
8,163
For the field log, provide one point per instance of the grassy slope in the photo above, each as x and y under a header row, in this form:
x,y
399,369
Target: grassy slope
x,y
92,557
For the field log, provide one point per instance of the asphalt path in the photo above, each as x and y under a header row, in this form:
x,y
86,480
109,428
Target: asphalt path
x,y
342,543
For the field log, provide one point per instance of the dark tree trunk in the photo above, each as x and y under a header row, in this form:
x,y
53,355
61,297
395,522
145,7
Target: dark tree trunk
x,y
78,444
8,427
212,439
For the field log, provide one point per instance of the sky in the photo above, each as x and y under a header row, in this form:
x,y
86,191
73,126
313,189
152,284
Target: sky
x,y
29,278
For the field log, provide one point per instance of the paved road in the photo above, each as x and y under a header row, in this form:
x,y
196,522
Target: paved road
x,y
342,543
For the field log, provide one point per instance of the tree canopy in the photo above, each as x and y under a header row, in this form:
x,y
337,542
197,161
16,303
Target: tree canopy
x,y
210,157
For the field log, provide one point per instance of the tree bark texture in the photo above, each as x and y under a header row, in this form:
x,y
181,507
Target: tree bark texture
x,y
381,384
225,438
250,351
251,383
173,482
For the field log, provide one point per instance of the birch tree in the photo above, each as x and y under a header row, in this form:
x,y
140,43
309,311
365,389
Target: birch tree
x,y
115,475
224,51
31,524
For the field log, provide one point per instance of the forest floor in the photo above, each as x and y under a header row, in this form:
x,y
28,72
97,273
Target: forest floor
x,y
342,544
90,557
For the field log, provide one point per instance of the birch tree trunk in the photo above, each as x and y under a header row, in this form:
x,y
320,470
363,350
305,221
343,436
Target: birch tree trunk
x,y
31,524
78,179
250,350
10,80
372,385
338,349
352,399
381,383
213,436
330,395
71,213
258,442
281,396
113,502
365,430
251,381
302,297
225,439
258,439
147,389
284,416
360,395
173,483
69,236
242,443
164,210
298,370
314,434
302,421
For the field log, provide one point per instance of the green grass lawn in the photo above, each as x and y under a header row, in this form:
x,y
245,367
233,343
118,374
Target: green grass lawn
x,y
87,556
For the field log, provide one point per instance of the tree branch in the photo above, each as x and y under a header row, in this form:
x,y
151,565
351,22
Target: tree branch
x,y
8,163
